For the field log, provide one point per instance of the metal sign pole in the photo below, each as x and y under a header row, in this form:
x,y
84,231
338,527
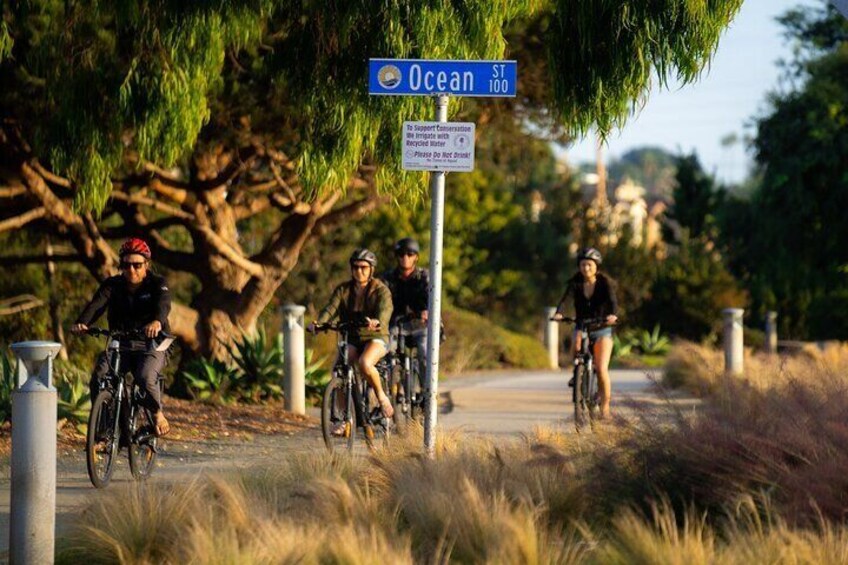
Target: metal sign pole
x,y
437,223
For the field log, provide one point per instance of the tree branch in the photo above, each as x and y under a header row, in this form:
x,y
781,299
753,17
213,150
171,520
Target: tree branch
x,y
23,219
18,304
152,203
49,176
13,191
228,252
349,212
243,159
15,260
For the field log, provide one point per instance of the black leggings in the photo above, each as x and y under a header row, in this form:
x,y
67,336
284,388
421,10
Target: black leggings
x,y
145,367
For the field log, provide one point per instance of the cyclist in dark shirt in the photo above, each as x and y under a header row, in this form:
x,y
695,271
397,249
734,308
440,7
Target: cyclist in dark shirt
x,y
138,299
593,294
410,288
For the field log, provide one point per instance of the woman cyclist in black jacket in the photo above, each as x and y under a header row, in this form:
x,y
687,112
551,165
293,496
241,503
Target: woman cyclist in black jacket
x,y
593,295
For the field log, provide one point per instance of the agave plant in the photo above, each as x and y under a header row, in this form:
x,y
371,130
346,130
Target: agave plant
x,y
654,342
212,381
74,398
261,365
623,345
316,377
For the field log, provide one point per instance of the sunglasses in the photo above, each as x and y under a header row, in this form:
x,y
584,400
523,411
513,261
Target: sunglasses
x,y
360,267
407,254
126,266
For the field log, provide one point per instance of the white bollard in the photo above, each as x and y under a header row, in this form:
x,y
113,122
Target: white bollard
x,y
552,338
733,342
294,380
771,332
32,510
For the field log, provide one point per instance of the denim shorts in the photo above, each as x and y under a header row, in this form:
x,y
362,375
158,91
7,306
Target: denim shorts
x,y
603,332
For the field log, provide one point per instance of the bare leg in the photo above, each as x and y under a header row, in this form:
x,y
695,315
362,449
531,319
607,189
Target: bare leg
x,y
603,353
370,356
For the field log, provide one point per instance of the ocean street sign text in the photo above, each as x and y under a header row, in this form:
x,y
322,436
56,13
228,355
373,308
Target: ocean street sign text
x,y
405,77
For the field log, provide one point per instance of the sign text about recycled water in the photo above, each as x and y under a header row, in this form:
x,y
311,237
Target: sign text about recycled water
x,y
438,146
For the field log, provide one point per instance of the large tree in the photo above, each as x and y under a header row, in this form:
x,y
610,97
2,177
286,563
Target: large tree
x,y
231,133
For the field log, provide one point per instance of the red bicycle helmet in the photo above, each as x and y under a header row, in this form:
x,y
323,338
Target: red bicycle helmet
x,y
135,246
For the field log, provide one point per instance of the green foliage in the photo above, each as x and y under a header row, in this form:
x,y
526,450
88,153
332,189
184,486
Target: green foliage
x,y
7,385
605,54
212,381
261,366
653,342
316,377
622,345
692,288
148,76
788,240
473,343
696,198
74,397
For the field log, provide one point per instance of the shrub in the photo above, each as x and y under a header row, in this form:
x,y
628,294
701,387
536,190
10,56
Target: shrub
x,y
652,343
316,377
74,397
261,366
212,381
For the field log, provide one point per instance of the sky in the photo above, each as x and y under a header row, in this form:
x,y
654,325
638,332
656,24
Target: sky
x,y
723,102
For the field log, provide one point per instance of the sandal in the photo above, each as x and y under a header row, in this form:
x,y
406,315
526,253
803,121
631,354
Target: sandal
x,y
386,405
339,430
163,427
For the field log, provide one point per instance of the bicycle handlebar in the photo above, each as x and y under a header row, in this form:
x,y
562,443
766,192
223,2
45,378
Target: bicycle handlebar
x,y
125,334
337,327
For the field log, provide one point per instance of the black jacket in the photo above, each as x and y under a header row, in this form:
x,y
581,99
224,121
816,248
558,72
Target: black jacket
x,y
603,302
126,311
410,295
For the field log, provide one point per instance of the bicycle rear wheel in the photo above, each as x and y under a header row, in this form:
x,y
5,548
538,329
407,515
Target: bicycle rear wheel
x,y
101,447
142,446
337,415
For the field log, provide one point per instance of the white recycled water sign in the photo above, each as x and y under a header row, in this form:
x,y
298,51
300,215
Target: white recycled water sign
x,y
438,146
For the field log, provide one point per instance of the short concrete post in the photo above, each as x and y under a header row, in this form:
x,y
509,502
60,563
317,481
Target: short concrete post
x,y
551,338
294,380
733,341
771,332
32,510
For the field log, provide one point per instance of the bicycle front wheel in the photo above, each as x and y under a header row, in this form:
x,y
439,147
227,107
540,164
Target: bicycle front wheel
x,y
581,400
337,415
142,447
101,447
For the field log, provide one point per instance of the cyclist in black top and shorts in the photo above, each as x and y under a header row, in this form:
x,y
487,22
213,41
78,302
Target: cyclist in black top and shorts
x,y
593,295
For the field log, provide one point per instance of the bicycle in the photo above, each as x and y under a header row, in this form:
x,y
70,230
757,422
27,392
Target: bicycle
x,y
585,391
409,397
117,417
347,389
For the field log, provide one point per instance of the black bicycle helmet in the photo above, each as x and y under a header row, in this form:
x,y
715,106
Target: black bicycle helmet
x,y
407,245
590,254
363,254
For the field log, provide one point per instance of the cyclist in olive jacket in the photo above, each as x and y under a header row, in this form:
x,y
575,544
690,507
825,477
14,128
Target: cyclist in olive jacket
x,y
593,294
138,299
366,298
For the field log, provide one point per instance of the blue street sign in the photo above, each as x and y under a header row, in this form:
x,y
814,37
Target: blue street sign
x,y
420,77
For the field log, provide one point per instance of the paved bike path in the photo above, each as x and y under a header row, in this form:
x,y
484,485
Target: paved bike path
x,y
509,404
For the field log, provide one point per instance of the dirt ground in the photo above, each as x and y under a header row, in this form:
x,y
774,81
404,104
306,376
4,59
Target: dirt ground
x,y
196,422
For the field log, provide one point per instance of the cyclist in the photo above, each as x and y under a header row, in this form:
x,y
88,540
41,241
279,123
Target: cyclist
x,y
363,298
410,288
593,295
138,299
